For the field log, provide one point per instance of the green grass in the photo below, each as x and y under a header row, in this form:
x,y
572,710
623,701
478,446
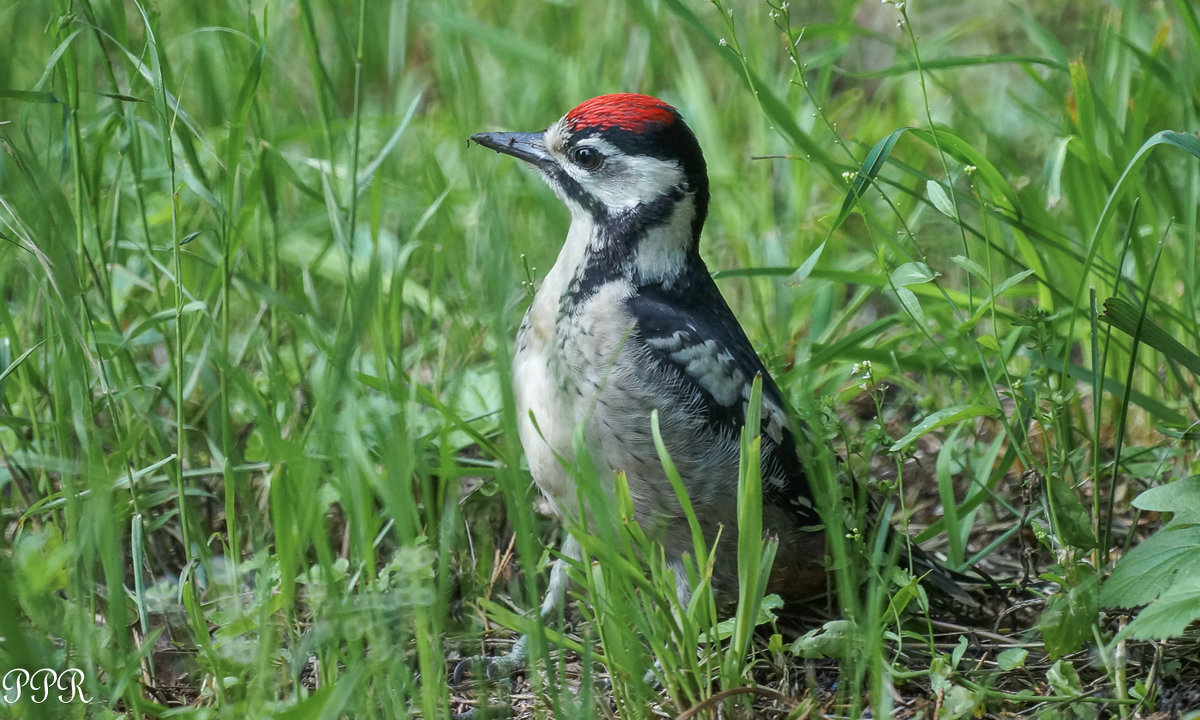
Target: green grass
x,y
257,446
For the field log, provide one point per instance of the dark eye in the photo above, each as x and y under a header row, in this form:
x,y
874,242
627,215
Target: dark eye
x,y
587,157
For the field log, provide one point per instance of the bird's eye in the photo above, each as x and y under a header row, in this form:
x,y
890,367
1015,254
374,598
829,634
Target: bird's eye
x,y
587,157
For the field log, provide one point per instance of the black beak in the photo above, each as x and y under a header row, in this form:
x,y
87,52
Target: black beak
x,y
523,146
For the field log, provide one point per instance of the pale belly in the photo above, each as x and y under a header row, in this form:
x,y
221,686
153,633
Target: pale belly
x,y
557,377
545,422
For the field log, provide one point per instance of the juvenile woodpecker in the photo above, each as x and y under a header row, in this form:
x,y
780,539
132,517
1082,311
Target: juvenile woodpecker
x,y
629,321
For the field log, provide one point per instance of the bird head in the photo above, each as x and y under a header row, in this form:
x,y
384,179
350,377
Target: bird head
x,y
624,163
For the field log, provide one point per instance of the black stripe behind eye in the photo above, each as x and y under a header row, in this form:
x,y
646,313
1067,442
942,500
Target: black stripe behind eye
x,y
577,194
618,235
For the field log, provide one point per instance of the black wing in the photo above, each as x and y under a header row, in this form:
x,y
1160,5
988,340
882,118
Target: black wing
x,y
689,329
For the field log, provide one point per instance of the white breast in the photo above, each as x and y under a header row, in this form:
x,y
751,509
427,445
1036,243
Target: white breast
x,y
544,421
560,366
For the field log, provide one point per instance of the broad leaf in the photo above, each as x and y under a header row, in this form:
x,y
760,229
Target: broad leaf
x,y
1152,567
1181,497
1170,614
1068,619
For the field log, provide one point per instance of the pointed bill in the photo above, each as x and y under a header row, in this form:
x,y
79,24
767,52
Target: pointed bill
x,y
529,147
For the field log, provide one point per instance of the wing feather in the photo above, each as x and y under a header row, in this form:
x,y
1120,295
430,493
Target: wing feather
x,y
695,338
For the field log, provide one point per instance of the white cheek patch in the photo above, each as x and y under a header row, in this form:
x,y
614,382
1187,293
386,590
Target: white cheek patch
x,y
662,253
623,181
630,180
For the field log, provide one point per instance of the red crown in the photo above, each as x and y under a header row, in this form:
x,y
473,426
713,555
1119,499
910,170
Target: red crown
x,y
627,111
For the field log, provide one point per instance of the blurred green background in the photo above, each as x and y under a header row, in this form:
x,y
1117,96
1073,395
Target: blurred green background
x,y
259,294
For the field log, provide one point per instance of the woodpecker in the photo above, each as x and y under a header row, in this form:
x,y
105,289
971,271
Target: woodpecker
x,y
629,321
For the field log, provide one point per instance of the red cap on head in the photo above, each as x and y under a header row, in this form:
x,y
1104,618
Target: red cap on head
x,y
627,111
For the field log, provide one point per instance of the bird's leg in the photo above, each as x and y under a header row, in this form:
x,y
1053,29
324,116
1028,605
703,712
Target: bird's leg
x,y
501,667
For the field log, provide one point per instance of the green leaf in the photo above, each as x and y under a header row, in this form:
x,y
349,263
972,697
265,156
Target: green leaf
x,y
754,557
941,418
972,267
871,166
1071,520
989,342
765,617
1171,613
1068,618
827,641
1181,497
326,702
806,267
1011,659
1127,317
908,589
685,503
17,363
956,655
119,97
999,290
241,111
1063,679
960,702
939,198
1152,567
911,304
1085,107
912,273
1011,281
1054,169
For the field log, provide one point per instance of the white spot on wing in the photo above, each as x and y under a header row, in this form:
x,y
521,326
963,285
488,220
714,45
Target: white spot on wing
x,y
713,369
667,344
